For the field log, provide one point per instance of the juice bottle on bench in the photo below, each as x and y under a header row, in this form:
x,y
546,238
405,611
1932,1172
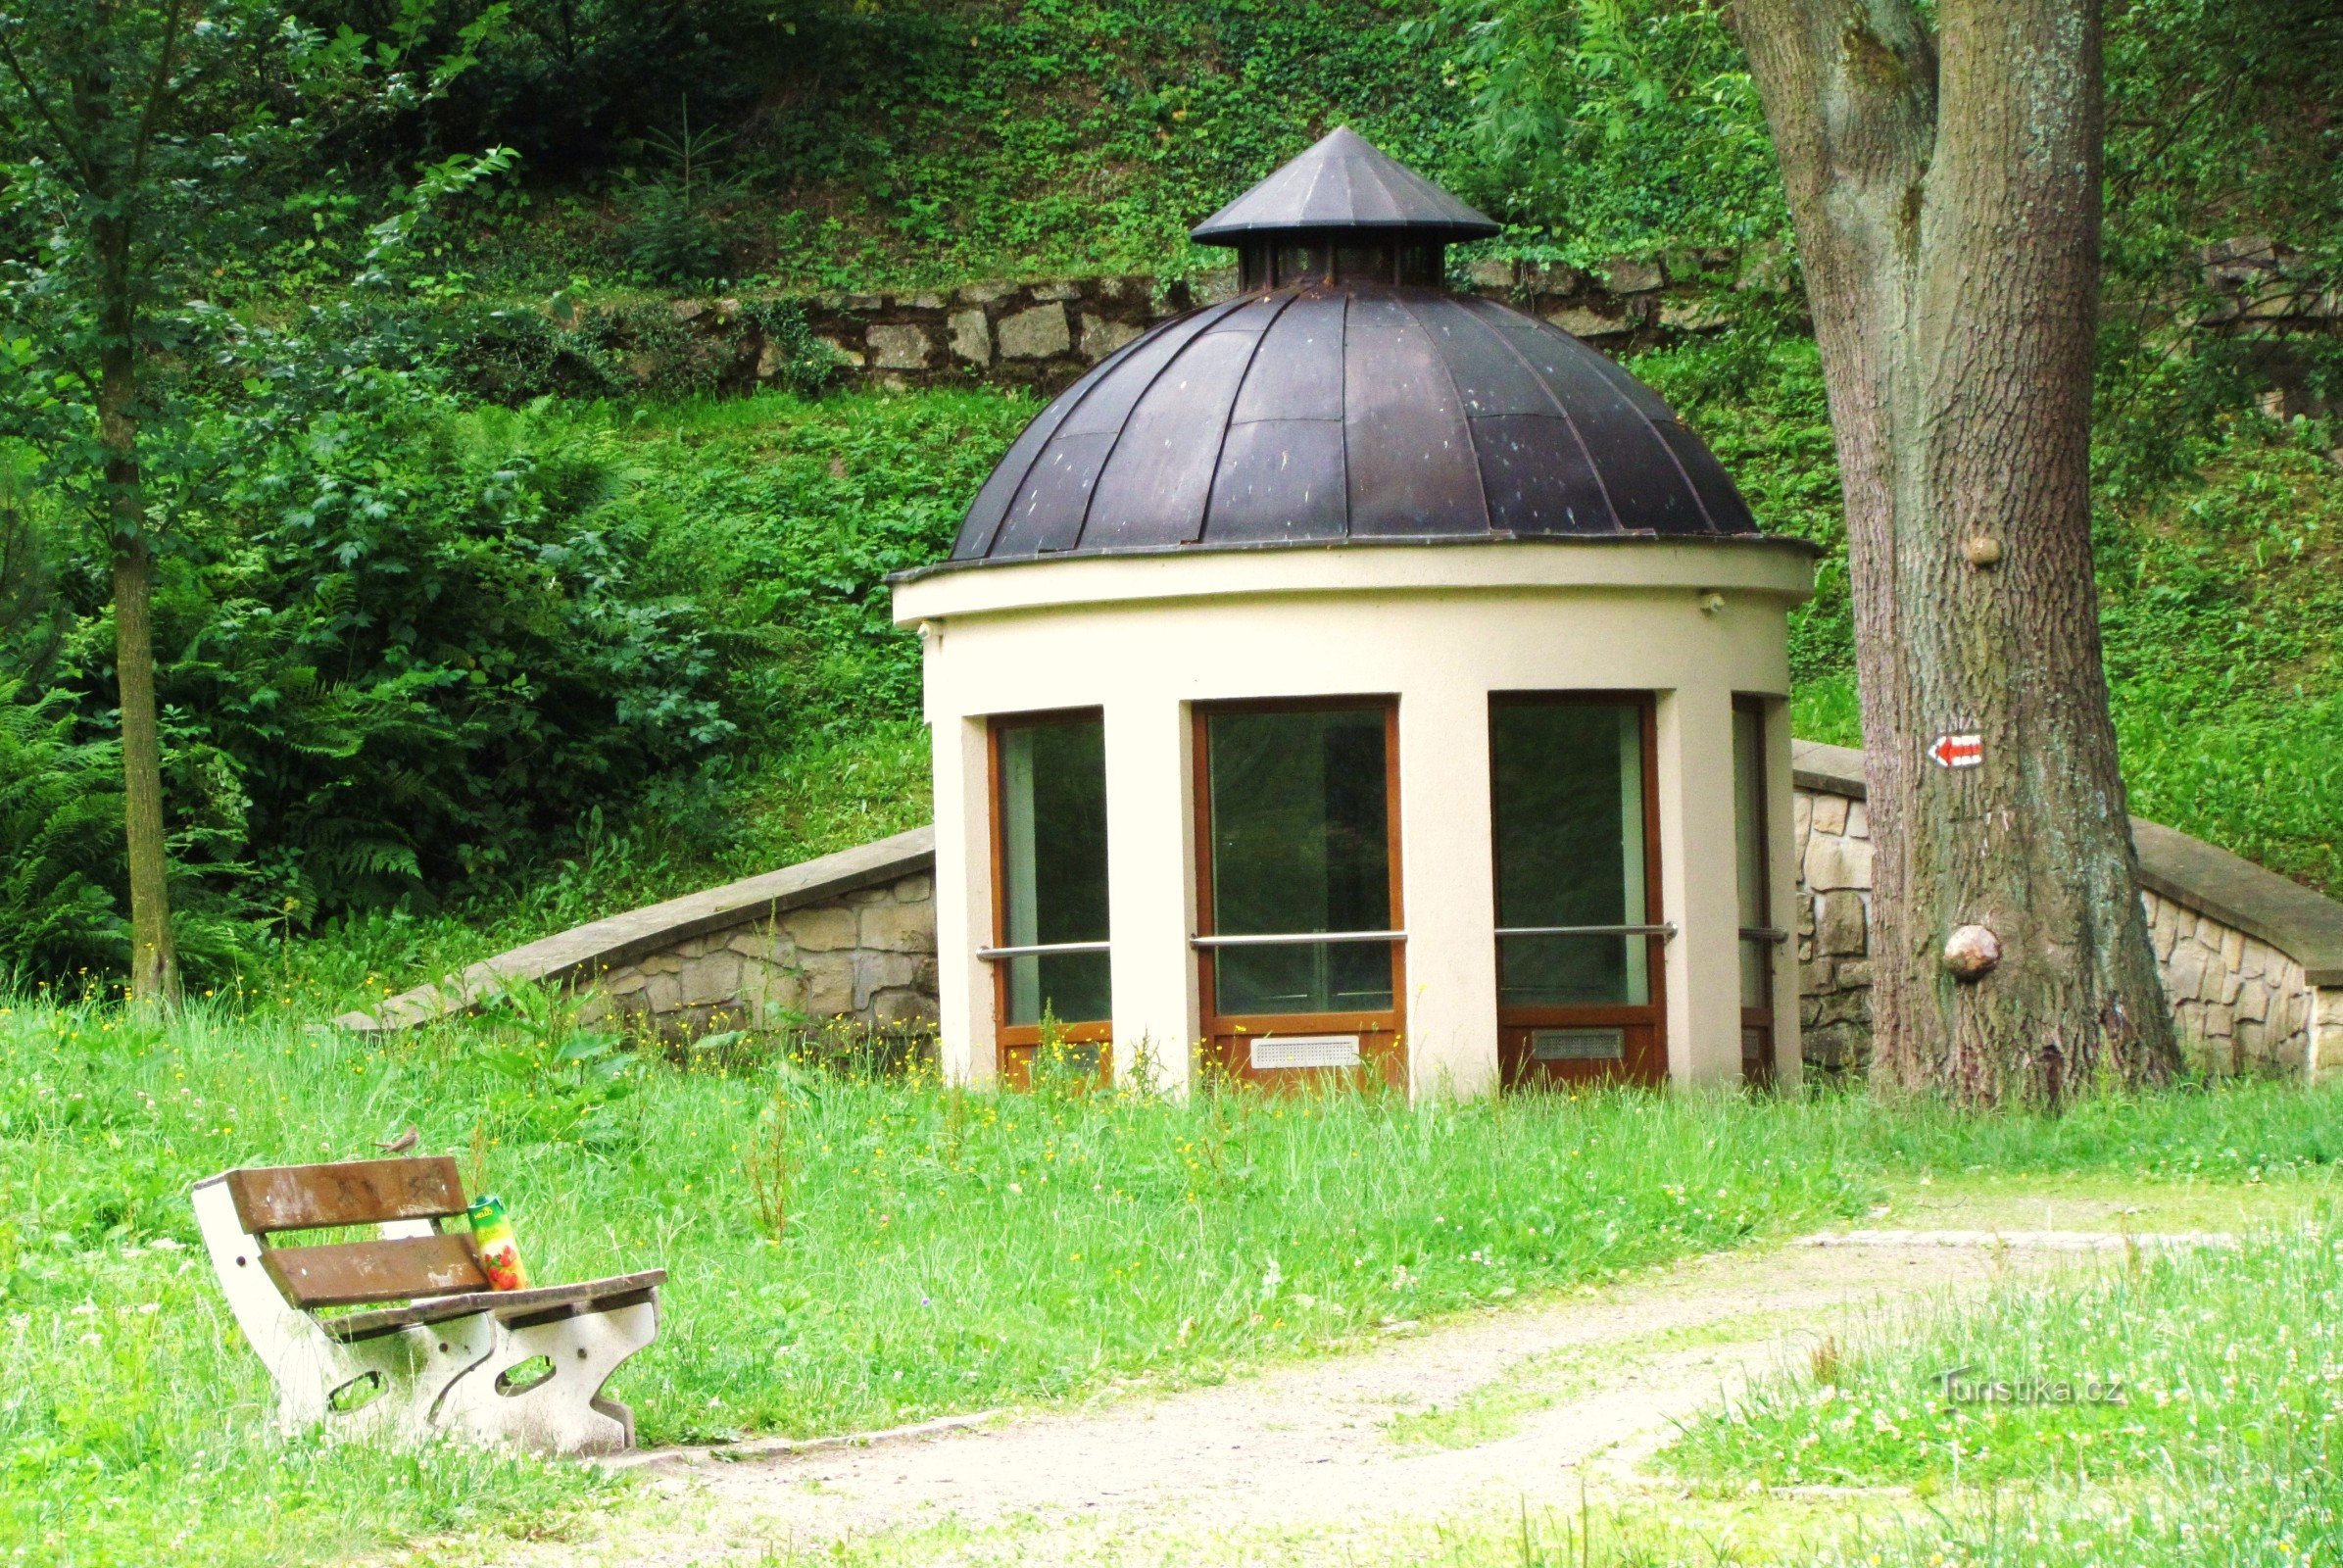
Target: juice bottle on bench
x,y
500,1254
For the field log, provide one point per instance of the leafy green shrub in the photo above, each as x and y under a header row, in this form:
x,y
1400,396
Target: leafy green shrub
x,y
429,647
61,832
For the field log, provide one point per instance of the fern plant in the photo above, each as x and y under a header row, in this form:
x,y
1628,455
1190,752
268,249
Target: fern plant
x,y
61,843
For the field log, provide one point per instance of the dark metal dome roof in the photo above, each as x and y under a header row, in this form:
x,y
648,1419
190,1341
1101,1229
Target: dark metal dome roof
x,y
1355,402
1321,413
1345,182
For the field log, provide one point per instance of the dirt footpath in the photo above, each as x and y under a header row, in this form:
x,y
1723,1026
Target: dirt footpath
x,y
1594,1380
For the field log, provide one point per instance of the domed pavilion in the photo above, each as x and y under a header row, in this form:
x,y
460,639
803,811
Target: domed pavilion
x,y
1356,677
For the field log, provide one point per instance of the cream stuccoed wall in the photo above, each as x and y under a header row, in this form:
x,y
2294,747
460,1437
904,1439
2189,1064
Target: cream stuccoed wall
x,y
1440,627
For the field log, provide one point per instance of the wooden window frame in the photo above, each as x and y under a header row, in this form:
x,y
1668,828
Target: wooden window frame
x,y
1757,1071
1383,1041
1015,1045
1650,1064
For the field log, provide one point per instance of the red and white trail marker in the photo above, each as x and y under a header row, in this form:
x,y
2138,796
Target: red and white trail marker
x,y
1958,750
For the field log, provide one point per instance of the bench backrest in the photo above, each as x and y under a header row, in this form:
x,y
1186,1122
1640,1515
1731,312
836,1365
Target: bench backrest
x,y
370,1192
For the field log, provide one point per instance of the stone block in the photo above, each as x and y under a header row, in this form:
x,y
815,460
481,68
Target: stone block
x,y
2184,971
770,992
1039,333
862,896
1839,926
711,979
863,302
916,890
1810,1010
821,928
2213,985
1837,1048
2232,947
2253,1041
1101,337
1855,974
1694,315
2220,1023
1627,274
596,1009
925,301
663,993
971,336
1830,813
1493,273
2252,959
1845,1006
1551,278
1062,289
829,985
845,354
624,982
660,964
984,293
1832,864
899,1007
898,927
1858,820
2252,999
1814,978
1801,814
898,348
1578,322
874,972
762,944
2164,931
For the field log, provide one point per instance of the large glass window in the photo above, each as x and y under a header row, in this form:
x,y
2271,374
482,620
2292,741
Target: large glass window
x,y
1052,825
1569,806
1301,846
1749,842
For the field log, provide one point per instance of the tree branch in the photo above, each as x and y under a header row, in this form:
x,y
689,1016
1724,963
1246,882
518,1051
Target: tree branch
x,y
66,144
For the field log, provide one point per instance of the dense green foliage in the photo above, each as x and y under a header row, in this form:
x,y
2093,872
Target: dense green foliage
x,y
417,654
941,1251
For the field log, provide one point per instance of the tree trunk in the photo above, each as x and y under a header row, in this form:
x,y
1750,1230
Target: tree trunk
x,y
154,958
1947,213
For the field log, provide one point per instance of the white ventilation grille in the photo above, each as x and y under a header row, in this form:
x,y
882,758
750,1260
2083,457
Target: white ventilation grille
x,y
1578,1045
1305,1050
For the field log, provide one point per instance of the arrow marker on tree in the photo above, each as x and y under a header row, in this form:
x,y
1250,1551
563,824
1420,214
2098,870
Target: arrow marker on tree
x,y
1958,750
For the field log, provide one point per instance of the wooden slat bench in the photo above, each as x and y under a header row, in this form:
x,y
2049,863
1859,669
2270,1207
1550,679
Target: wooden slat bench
x,y
436,1350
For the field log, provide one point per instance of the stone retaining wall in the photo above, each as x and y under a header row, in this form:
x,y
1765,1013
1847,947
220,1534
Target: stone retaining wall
x,y
2242,1004
1044,334
868,955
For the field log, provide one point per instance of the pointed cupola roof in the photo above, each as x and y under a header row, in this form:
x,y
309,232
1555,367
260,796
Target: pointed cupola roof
x,y
1345,182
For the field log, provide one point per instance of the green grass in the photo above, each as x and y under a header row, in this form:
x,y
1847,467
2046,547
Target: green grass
x,y
944,1253
2222,1448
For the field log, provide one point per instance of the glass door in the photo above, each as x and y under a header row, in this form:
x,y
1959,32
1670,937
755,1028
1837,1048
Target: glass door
x,y
1580,940
1299,946
1053,996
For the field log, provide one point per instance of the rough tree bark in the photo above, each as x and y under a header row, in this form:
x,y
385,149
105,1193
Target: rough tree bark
x,y
154,957
1946,196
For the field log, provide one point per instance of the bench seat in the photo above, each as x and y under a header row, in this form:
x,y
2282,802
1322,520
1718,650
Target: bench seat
x,y
516,1308
400,1335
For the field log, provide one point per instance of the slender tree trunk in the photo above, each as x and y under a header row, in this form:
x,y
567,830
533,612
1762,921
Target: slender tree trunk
x,y
1947,211
154,960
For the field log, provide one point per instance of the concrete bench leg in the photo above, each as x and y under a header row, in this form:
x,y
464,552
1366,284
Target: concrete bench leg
x,y
386,1386
541,1385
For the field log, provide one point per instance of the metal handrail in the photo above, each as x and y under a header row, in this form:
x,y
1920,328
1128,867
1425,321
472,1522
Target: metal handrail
x,y
1292,939
1037,950
1664,930
1764,933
